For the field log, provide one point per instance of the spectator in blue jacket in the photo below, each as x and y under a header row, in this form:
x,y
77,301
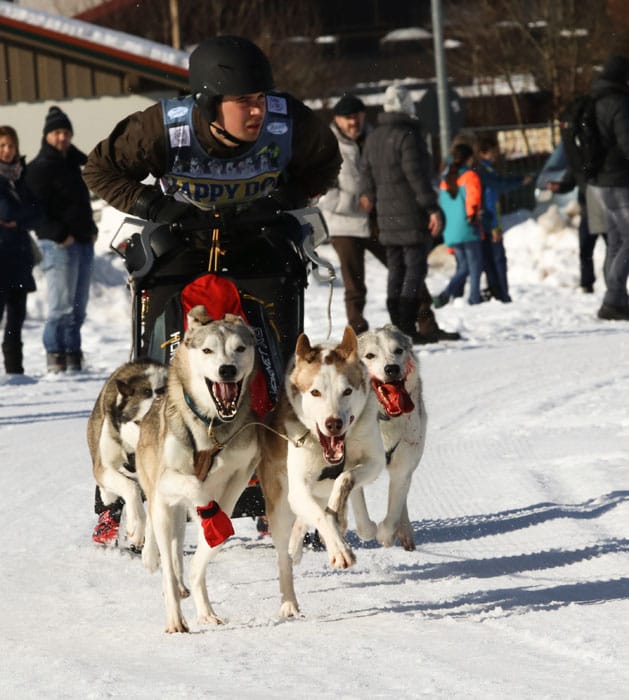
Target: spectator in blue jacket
x,y
494,184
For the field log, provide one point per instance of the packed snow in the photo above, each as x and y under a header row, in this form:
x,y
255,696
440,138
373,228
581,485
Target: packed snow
x,y
519,587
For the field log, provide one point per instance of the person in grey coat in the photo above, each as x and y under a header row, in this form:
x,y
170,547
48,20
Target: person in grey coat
x,y
396,179
609,188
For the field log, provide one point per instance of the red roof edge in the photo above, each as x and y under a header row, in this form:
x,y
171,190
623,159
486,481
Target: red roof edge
x,y
104,9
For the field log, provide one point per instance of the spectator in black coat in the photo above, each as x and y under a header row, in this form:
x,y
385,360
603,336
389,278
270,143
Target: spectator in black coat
x,y
396,178
18,213
609,188
67,234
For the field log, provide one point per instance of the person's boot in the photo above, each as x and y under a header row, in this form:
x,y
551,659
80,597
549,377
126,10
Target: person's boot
x,y
74,361
56,362
429,331
408,310
12,357
355,318
393,307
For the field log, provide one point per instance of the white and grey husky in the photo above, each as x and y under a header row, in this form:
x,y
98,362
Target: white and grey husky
x,y
394,376
197,451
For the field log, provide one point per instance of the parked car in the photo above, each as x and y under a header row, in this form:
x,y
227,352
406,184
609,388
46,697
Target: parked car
x,y
553,170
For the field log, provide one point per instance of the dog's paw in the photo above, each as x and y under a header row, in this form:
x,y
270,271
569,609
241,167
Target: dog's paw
x,y
342,558
179,625
367,531
385,535
289,608
210,619
405,536
150,559
136,536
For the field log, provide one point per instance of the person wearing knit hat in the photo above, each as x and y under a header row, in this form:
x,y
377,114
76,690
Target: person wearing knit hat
x,y
608,191
352,231
348,104
398,99
66,234
55,120
396,180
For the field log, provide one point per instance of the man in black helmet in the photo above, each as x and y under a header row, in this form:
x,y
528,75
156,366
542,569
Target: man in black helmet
x,y
226,159
231,141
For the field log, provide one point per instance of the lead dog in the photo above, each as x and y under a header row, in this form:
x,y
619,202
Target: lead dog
x,y
196,453
325,443
112,436
394,376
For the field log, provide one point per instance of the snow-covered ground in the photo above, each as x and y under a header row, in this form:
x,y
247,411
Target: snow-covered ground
x,y
519,587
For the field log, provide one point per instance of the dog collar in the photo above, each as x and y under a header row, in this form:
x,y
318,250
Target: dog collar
x,y
210,422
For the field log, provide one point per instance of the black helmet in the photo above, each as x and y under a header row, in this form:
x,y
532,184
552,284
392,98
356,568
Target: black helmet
x,y
227,65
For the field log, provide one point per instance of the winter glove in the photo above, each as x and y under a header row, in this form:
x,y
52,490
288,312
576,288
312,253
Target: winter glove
x,y
217,526
152,205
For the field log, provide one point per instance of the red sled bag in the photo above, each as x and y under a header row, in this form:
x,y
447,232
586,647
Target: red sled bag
x,y
219,295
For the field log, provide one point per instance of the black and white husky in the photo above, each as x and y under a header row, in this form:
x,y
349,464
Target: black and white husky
x,y
112,436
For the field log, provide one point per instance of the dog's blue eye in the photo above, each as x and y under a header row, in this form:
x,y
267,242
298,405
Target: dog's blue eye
x,y
347,391
315,392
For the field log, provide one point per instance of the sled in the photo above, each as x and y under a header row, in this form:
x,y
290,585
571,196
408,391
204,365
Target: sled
x,y
255,267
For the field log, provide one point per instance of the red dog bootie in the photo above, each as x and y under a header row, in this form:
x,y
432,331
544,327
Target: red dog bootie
x,y
217,526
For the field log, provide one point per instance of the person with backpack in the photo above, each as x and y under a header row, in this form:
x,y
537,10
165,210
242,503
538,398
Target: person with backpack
x,y
587,237
609,185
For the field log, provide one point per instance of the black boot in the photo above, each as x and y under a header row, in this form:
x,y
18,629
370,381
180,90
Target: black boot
x,y
12,352
408,308
393,307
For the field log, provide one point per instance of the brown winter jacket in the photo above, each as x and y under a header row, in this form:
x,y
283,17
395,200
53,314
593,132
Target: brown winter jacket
x,y
136,148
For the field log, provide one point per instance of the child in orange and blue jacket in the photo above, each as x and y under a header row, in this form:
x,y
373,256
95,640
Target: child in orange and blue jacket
x,y
460,198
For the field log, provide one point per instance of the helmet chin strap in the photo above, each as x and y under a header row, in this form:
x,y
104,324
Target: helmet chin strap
x,y
226,135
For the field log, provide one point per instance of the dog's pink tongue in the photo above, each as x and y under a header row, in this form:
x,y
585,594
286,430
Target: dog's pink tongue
x,y
333,448
394,398
226,391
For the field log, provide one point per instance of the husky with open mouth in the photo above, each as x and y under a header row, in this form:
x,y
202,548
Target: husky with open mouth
x,y
196,453
325,442
395,380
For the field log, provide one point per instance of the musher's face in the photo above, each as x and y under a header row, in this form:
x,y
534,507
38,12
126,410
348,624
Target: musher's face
x,y
242,115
